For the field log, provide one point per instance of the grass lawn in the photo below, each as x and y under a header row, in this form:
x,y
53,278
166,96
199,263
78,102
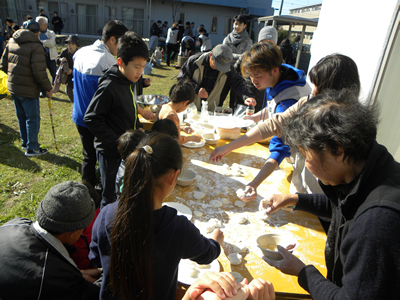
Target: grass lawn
x,y
24,181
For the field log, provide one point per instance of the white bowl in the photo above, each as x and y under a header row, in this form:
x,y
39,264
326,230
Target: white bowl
x,y
200,128
210,138
186,177
268,242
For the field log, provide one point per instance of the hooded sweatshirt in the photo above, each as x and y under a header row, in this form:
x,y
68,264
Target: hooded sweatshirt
x,y
175,238
289,89
112,111
25,63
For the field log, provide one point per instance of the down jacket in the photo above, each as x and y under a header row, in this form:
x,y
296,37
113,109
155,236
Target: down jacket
x,y
24,61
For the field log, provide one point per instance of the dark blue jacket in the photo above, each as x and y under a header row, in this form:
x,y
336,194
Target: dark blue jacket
x,y
175,238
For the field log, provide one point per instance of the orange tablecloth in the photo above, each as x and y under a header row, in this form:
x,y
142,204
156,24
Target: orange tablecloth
x,y
304,227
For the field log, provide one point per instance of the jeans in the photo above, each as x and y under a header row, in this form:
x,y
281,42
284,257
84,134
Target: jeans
x,y
28,114
109,166
89,160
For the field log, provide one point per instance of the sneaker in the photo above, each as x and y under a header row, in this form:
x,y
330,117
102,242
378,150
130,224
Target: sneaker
x,y
23,147
36,152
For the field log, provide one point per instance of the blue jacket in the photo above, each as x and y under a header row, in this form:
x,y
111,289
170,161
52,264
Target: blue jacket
x,y
89,64
175,237
290,88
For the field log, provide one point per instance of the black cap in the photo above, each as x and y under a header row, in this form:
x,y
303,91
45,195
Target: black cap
x,y
72,38
33,26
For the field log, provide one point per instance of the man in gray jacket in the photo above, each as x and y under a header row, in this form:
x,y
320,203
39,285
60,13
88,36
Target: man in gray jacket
x,y
24,62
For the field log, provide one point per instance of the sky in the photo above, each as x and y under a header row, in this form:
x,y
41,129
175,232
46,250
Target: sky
x,y
290,4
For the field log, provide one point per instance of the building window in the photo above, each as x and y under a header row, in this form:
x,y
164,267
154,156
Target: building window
x,y
133,18
214,24
182,17
228,25
110,13
87,18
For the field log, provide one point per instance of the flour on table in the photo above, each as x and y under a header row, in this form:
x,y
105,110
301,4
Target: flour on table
x,y
214,193
262,215
240,248
235,258
198,195
198,213
240,204
198,178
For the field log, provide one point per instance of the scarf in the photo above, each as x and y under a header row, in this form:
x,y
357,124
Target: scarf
x,y
235,38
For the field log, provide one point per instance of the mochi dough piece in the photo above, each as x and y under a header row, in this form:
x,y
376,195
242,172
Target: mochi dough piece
x,y
198,195
240,193
206,266
198,178
212,224
216,203
201,152
198,213
202,188
240,248
240,204
222,189
242,219
225,201
214,193
262,215
237,276
226,167
235,258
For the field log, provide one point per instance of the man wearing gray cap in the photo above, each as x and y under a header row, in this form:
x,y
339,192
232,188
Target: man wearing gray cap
x,y
209,72
34,256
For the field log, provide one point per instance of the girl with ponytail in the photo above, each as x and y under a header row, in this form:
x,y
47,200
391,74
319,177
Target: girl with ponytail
x,y
137,241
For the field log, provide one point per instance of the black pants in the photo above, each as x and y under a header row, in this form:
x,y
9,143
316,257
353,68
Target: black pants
x,y
108,171
172,48
89,160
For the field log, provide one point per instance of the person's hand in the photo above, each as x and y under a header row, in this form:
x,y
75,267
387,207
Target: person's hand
x,y
274,202
142,130
49,94
250,193
218,236
195,138
289,265
69,72
203,93
247,117
148,115
63,59
188,130
222,284
261,289
147,81
91,275
219,153
250,101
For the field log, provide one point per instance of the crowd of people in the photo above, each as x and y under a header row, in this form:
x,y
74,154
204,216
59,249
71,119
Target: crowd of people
x,y
124,244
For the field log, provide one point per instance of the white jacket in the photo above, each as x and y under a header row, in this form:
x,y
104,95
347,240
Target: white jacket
x,y
50,43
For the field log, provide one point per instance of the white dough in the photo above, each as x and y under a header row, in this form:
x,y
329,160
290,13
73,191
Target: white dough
x,y
214,193
202,188
225,201
194,273
225,166
212,224
240,248
261,215
198,195
198,213
222,189
242,219
216,203
240,204
240,193
237,276
201,152
235,258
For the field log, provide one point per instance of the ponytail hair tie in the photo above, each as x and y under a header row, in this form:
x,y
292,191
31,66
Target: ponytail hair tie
x,y
148,149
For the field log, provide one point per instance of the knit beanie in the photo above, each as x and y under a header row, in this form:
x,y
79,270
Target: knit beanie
x,y
66,207
268,33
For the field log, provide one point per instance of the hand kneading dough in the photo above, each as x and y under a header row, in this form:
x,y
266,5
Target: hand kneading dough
x,y
198,195
235,258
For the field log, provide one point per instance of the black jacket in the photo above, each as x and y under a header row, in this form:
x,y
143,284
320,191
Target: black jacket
x,y
362,248
154,30
112,111
32,268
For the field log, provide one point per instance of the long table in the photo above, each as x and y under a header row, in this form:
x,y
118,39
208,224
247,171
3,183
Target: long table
x,y
304,227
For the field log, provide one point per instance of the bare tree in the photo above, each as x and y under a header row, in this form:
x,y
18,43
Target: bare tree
x,y
176,6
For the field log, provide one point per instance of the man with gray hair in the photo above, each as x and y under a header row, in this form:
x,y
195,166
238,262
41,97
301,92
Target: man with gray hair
x,y
48,38
34,256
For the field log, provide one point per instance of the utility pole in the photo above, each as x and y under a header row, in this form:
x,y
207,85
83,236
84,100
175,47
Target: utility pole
x,y
280,10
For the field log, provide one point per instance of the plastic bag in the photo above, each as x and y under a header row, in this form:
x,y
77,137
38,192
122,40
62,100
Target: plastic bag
x,y
3,83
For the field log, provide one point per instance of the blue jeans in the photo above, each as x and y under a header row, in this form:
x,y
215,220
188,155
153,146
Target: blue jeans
x,y
28,114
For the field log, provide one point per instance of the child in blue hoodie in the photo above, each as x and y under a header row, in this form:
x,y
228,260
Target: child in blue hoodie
x,y
137,241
